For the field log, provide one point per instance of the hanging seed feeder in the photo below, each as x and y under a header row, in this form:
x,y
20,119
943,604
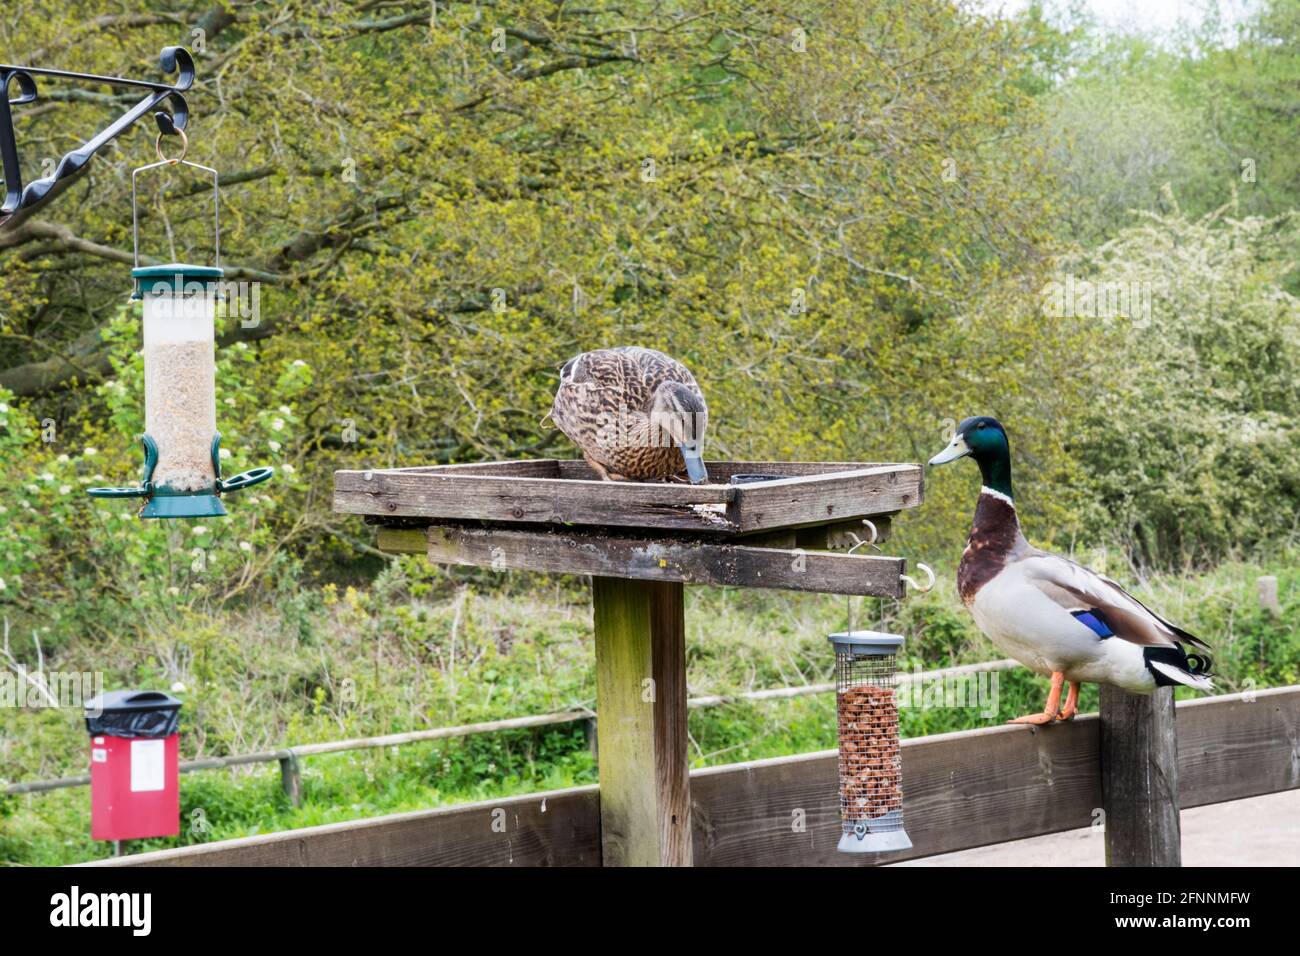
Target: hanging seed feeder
x,y
182,462
871,790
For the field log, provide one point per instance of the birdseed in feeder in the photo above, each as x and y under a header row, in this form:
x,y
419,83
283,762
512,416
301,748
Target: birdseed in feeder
x,y
180,394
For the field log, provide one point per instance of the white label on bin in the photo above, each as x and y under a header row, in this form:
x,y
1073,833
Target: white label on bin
x,y
99,755
147,765
99,740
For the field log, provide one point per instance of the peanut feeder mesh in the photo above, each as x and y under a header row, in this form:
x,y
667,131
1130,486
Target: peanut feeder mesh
x,y
870,762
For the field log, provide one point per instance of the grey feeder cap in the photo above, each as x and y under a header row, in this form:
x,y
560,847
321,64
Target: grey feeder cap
x,y
866,643
881,835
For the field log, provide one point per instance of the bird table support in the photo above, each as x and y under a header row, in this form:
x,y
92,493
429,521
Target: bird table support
x,y
1139,778
645,804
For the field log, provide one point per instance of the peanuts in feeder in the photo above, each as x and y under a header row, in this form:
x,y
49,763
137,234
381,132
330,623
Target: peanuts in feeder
x,y
870,763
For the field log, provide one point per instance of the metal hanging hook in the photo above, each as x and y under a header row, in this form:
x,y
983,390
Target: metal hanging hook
x,y
180,160
858,542
908,579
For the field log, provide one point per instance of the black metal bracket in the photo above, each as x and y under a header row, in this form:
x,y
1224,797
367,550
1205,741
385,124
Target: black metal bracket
x,y
20,202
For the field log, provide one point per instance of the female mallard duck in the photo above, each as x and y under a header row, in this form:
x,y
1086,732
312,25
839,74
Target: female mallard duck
x,y
1054,616
634,412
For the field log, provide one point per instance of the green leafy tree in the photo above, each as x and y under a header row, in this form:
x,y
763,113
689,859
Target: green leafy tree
x,y
829,213
1192,439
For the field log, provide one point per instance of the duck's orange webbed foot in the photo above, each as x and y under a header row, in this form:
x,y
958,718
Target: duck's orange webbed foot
x,y
1053,705
1071,703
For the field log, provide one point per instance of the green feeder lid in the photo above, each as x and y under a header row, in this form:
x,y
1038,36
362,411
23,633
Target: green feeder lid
x,y
172,277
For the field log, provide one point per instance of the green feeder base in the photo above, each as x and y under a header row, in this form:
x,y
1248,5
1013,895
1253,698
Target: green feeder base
x,y
163,503
183,506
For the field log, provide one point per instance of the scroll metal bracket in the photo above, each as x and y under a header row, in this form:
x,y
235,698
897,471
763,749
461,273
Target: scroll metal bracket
x,y
21,201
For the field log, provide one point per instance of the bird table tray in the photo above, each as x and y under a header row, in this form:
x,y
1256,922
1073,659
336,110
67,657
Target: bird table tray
x,y
552,492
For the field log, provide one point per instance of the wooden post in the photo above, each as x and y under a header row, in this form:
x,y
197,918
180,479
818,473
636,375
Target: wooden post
x,y
645,804
1267,584
291,778
1139,778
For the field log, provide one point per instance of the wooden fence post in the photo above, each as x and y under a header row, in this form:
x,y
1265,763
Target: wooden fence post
x,y
291,778
1268,600
1139,778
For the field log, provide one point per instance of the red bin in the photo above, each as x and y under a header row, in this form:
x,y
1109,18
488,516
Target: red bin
x,y
134,772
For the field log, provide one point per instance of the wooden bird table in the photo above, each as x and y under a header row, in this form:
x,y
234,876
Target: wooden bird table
x,y
640,543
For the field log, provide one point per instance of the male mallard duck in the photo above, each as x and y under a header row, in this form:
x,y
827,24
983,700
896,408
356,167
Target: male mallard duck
x,y
635,413
1055,616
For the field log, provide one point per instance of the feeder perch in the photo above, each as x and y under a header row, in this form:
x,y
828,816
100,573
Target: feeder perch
x,y
182,461
871,791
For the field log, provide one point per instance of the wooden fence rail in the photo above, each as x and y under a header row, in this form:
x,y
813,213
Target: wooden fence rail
x,y
291,772
962,790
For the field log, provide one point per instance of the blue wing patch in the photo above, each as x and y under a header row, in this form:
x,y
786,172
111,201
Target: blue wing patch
x,y
1095,622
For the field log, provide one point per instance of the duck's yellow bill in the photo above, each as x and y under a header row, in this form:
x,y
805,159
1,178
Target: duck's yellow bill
x,y
958,449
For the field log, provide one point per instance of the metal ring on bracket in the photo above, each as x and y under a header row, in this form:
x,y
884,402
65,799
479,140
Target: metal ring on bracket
x,y
185,147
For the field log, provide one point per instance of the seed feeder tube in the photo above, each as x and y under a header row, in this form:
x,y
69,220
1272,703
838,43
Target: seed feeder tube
x,y
182,461
870,762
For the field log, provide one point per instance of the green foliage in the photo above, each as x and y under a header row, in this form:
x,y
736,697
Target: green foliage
x,y
1208,112
456,655
71,566
1189,448
799,241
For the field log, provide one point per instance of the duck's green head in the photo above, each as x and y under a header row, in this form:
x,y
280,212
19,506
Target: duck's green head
x,y
984,439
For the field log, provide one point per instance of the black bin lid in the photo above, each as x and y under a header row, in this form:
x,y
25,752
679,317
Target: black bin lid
x,y
123,701
133,713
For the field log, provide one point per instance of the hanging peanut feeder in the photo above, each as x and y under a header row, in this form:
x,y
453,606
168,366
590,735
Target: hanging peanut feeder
x,y
871,790
182,461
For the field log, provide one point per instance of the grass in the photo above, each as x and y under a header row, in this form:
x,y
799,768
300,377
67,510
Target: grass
x,y
424,648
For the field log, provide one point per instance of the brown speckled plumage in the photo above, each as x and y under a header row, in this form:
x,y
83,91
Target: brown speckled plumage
x,y
604,404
